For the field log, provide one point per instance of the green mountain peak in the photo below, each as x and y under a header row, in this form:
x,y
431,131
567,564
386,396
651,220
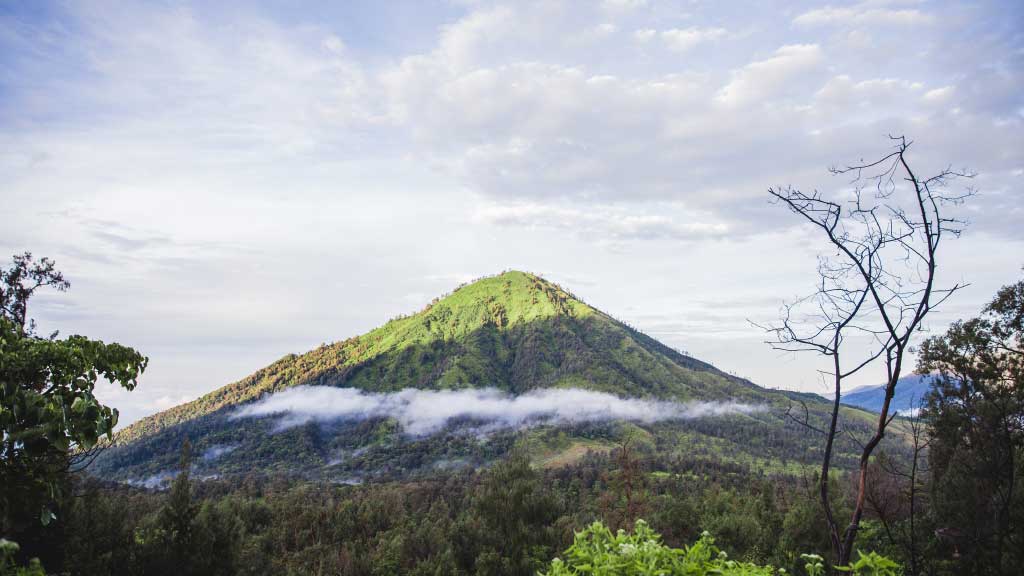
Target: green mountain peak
x,y
514,332
505,300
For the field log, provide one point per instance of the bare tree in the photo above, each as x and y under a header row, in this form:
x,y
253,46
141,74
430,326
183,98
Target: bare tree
x,y
874,289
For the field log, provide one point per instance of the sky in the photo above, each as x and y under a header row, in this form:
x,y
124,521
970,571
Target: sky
x,y
226,183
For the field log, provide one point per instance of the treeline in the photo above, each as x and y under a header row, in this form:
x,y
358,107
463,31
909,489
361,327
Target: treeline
x,y
509,519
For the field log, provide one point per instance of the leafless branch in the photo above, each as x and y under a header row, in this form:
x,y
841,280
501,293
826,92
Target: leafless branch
x,y
876,284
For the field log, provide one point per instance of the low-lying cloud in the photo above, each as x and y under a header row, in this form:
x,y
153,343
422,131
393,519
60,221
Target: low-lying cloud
x,y
217,450
423,412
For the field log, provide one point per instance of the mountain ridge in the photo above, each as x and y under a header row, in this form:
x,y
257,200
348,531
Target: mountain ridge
x,y
278,375
910,393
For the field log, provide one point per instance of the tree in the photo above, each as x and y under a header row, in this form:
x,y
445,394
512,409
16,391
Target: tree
x,y
177,515
48,412
163,544
20,281
515,512
976,415
626,501
877,286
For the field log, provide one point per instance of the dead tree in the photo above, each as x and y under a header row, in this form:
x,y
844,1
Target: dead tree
x,y
875,287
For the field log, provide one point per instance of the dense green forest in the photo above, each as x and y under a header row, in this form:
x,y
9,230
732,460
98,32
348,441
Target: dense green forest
x,y
512,518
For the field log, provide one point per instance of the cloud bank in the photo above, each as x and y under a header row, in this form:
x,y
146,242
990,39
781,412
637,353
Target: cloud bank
x,y
424,412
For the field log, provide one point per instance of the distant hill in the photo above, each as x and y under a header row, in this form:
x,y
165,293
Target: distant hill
x,y
502,336
910,391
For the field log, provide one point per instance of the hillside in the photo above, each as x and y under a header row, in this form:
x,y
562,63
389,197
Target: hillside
x,y
910,392
514,332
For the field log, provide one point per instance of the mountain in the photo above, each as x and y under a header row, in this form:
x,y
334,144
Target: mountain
x,y
503,337
910,391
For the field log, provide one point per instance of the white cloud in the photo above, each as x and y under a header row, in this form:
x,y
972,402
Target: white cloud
x,y
683,40
465,42
862,14
609,222
215,451
762,79
618,5
597,33
422,412
939,95
165,402
644,35
842,95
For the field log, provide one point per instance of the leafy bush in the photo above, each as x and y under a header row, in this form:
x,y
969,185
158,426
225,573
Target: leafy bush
x,y
8,567
597,551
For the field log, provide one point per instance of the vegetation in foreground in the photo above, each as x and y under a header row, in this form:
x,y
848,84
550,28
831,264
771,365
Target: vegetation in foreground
x,y
599,552
510,519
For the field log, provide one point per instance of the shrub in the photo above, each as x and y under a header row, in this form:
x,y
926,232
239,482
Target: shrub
x,y
596,551
8,567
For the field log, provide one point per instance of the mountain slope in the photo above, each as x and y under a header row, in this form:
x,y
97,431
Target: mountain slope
x,y
515,332
910,392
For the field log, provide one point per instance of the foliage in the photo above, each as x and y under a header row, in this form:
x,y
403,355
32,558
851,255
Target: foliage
x,y
599,552
20,281
872,564
507,518
8,567
976,417
513,521
48,411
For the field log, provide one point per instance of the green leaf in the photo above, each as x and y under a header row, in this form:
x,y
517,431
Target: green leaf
x,y
46,516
